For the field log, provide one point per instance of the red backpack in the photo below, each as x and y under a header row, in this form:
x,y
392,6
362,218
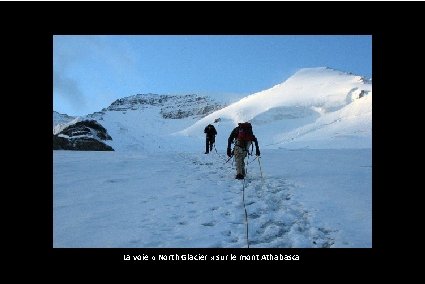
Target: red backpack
x,y
245,132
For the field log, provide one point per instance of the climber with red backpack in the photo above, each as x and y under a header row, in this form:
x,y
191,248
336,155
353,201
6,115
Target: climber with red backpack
x,y
243,136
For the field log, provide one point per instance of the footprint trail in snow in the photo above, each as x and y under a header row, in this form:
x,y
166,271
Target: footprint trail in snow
x,y
275,219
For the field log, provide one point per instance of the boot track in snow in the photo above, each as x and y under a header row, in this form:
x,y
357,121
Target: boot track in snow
x,y
269,217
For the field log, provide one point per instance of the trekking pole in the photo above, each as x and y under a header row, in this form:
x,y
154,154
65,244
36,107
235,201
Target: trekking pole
x,y
229,159
252,160
246,166
260,167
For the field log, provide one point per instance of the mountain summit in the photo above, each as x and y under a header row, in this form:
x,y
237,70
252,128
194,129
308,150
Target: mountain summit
x,y
316,107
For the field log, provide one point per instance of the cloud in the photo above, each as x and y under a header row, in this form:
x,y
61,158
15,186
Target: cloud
x,y
91,71
68,89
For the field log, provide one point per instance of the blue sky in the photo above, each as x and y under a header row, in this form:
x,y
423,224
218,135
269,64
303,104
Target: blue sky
x,y
90,72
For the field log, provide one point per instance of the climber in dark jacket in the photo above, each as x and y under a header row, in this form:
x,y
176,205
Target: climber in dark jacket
x,y
210,137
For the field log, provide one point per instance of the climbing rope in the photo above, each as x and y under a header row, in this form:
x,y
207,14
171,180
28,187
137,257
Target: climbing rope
x,y
246,214
243,194
243,186
221,157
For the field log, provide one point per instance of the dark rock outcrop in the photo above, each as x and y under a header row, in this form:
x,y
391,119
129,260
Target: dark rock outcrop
x,y
80,144
82,136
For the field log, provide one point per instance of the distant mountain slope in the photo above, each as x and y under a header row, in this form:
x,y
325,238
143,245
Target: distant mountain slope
x,y
171,106
348,127
314,108
303,110
60,121
146,122
61,118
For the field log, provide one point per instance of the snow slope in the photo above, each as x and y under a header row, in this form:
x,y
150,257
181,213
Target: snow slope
x,y
147,122
348,127
61,121
315,108
308,198
145,129
158,189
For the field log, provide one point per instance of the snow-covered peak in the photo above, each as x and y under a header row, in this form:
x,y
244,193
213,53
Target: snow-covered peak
x,y
172,106
144,122
61,118
61,121
316,108
322,89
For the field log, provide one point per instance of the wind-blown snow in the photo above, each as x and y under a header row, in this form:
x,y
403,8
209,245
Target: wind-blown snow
x,y
159,189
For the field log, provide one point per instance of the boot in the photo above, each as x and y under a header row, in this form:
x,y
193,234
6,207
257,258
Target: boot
x,y
239,176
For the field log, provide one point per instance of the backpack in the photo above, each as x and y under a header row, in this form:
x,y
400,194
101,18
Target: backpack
x,y
210,130
245,132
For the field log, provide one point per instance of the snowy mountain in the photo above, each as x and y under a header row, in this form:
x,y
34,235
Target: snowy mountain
x,y
172,107
146,122
315,108
311,187
61,118
60,121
